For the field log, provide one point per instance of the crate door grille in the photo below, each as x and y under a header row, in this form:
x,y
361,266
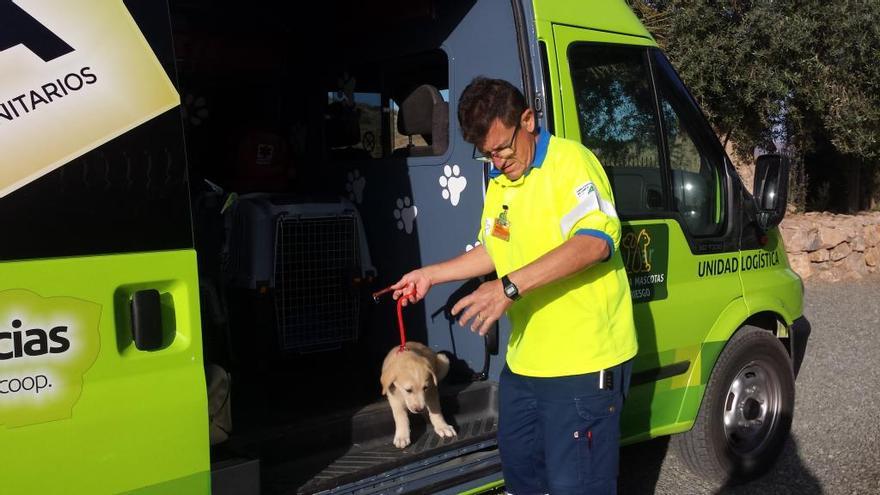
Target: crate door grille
x,y
316,260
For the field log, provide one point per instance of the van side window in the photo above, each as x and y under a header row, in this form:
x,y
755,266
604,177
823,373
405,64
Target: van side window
x,y
389,108
694,155
618,122
354,124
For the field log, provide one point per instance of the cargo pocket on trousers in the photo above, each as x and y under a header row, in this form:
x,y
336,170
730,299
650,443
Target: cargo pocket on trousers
x,y
598,437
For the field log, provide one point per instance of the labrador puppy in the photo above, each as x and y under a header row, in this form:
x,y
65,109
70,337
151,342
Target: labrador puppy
x,y
409,380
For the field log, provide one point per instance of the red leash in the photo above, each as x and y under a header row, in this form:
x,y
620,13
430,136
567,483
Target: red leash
x,y
400,323
399,315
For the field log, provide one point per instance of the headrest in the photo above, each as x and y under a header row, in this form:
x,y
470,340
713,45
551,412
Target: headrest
x,y
417,111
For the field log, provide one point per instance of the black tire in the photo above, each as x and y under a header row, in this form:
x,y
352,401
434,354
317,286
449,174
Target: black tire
x,y
741,428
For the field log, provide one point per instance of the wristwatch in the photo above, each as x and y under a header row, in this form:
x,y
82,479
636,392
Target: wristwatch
x,y
510,288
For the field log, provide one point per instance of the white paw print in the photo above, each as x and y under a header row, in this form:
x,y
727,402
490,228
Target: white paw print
x,y
452,183
405,213
471,246
355,186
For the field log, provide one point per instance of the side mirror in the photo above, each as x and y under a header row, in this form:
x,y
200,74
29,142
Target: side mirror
x,y
771,189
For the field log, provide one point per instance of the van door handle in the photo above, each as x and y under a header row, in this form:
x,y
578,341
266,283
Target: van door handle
x,y
146,320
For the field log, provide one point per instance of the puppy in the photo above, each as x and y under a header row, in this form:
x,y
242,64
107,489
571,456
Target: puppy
x,y
409,380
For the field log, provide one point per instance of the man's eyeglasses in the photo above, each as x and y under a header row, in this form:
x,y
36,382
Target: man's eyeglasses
x,y
503,152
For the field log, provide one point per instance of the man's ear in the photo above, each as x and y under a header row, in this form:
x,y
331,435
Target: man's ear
x,y
387,381
527,121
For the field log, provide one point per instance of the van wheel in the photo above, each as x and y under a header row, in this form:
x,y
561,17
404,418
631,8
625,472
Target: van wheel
x,y
746,412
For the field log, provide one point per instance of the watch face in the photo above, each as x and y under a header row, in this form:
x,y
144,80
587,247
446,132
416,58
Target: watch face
x,y
510,290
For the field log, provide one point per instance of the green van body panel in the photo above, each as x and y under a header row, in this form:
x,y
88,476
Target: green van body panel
x,y
194,483
777,290
601,15
485,488
141,417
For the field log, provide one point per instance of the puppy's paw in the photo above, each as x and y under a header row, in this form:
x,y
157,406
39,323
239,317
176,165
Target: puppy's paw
x,y
445,431
401,439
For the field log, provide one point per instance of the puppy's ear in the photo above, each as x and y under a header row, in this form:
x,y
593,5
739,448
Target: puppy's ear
x,y
434,377
387,380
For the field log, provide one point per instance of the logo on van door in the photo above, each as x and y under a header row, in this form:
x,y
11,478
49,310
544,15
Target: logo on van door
x,y
46,346
75,75
645,251
17,27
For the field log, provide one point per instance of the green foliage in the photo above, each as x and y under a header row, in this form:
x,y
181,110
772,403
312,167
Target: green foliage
x,y
769,69
797,183
846,85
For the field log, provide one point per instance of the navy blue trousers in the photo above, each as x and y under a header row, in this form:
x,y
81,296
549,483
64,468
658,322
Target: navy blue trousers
x,y
561,435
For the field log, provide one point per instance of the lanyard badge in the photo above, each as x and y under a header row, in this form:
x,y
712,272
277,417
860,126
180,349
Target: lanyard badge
x,y
501,227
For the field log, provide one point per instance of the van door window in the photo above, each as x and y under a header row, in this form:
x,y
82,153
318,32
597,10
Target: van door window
x,y
354,124
694,155
389,108
618,122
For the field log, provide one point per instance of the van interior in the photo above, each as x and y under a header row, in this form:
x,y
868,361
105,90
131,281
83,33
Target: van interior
x,y
278,119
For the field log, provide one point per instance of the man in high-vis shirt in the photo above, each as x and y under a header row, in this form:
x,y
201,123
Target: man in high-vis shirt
x,y
550,231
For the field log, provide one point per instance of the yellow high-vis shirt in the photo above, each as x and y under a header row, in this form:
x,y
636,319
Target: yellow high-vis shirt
x,y
580,324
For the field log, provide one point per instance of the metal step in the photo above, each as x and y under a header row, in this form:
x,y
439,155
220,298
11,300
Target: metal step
x,y
349,451
362,462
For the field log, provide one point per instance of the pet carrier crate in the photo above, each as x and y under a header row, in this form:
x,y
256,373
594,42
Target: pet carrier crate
x,y
312,257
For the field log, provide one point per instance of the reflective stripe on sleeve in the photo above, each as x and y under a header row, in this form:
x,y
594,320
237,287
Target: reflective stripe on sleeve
x,y
590,202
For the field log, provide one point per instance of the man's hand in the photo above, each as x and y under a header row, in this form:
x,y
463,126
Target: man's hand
x,y
484,306
415,285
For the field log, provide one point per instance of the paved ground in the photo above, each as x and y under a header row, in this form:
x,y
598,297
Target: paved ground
x,y
835,442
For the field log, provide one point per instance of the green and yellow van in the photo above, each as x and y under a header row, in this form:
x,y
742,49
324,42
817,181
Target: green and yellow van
x,y
199,197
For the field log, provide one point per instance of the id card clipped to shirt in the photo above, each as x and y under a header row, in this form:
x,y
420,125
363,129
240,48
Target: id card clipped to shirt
x,y
501,226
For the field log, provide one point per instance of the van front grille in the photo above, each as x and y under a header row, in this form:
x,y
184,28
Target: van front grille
x,y
316,261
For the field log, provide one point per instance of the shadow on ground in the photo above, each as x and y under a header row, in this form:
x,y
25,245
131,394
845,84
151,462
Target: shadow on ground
x,y
641,466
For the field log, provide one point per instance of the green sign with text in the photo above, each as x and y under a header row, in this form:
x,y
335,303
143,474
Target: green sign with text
x,y
645,251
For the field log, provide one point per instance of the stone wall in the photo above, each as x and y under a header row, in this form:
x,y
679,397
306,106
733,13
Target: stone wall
x,y
832,247
826,246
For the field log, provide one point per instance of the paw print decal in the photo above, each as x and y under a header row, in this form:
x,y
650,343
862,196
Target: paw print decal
x,y
452,183
195,109
355,186
405,213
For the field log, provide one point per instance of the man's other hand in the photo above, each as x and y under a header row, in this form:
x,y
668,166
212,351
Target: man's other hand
x,y
484,306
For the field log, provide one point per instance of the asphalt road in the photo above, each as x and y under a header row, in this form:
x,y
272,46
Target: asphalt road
x,y
835,443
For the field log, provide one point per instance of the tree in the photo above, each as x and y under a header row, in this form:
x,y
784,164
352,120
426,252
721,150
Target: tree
x,y
801,71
